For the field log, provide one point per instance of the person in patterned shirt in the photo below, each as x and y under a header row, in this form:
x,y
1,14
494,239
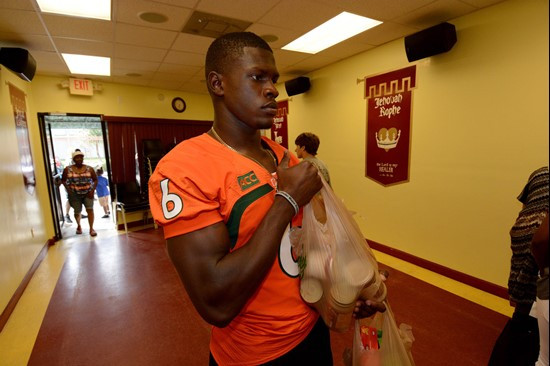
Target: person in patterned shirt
x,y
80,181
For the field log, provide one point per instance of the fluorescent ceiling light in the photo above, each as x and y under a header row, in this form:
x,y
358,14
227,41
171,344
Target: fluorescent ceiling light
x,y
335,30
98,9
88,65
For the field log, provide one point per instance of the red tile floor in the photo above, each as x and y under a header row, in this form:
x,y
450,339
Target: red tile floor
x,y
118,301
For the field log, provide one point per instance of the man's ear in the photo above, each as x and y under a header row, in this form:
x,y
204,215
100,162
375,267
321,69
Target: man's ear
x,y
214,83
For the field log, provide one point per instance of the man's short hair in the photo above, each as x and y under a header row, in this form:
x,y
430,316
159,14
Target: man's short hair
x,y
225,49
309,141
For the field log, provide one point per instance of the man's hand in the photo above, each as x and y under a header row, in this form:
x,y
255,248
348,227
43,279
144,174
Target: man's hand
x,y
366,308
301,181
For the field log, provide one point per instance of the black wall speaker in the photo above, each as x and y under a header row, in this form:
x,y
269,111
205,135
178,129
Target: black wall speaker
x,y
297,86
18,60
432,41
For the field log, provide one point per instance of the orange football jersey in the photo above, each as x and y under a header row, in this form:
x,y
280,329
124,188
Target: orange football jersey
x,y
202,182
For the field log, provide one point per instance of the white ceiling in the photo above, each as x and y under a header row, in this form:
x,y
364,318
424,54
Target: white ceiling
x,y
166,58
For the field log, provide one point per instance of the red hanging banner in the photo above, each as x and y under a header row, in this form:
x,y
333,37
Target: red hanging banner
x,y
389,125
279,129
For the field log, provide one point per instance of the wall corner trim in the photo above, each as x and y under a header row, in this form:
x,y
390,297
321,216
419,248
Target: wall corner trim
x,y
23,285
442,270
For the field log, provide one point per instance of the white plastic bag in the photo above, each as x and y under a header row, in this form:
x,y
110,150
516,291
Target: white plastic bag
x,y
393,347
335,261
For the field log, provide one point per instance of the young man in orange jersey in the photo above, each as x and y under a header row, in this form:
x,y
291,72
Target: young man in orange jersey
x,y
226,200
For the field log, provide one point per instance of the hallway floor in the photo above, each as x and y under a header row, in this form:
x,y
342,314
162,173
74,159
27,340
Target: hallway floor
x,y
114,291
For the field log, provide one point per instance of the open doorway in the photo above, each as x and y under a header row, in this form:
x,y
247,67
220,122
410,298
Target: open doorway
x,y
61,134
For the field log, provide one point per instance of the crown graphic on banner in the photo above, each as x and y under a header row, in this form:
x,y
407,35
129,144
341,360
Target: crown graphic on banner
x,y
387,139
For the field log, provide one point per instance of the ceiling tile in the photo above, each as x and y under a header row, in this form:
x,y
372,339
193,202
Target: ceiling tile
x,y
178,69
192,43
198,77
344,50
83,47
285,35
384,33
249,10
140,47
132,73
139,53
481,3
182,3
435,13
81,28
311,64
135,65
47,57
284,58
378,9
50,63
20,21
195,85
27,41
184,58
128,11
300,16
141,36
17,4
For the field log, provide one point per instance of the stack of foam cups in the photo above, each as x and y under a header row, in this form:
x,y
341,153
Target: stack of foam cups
x,y
333,285
349,275
311,285
374,289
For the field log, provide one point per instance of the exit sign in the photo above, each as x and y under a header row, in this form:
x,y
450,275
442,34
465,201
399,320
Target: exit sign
x,y
81,86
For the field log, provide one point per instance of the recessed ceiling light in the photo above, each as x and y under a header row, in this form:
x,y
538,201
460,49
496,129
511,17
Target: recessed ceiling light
x,y
269,38
333,31
151,17
97,9
88,65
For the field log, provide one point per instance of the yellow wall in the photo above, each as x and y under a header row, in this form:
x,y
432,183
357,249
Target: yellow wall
x,y
119,100
479,128
23,217
22,213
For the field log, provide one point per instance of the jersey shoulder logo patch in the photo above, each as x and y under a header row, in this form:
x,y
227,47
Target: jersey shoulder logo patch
x,y
247,180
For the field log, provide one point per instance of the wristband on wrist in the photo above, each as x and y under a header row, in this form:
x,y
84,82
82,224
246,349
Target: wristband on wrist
x,y
290,200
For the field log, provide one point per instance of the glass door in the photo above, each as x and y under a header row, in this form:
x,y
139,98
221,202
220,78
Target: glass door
x,y
53,174
61,134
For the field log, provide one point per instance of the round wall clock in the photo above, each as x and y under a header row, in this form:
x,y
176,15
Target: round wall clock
x,y
178,104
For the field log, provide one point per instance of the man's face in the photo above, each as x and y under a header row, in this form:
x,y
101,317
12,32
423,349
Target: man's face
x,y
78,160
249,88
